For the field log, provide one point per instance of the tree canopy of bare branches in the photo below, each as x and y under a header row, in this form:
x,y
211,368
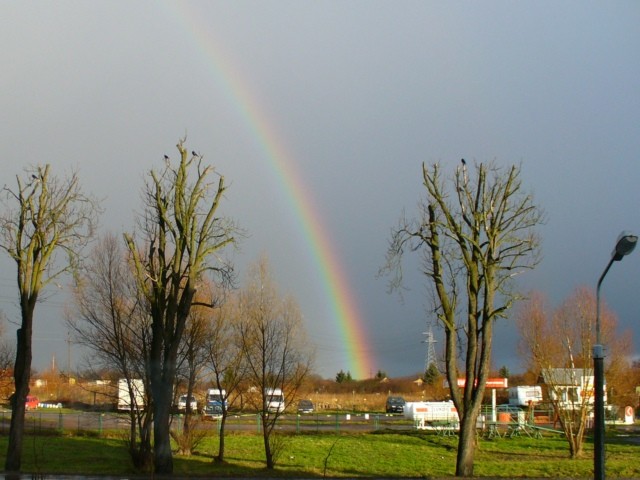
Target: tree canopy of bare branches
x,y
44,216
180,240
474,231
274,348
112,322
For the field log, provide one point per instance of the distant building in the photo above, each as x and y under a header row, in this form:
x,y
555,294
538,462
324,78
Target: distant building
x,y
570,388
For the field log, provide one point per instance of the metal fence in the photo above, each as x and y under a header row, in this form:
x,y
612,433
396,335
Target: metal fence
x,y
47,420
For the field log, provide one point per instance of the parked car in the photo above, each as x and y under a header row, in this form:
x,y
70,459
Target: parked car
x,y
395,405
305,406
182,404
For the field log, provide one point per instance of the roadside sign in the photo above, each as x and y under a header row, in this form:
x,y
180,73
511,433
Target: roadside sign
x,y
491,382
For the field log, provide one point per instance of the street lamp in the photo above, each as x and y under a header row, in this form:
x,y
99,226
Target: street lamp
x,y
624,246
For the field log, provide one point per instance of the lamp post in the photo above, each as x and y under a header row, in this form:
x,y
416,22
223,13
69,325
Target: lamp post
x,y
624,246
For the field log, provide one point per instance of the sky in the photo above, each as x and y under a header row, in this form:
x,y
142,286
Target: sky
x,y
320,115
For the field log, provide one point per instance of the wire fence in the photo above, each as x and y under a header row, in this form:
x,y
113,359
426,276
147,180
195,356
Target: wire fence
x,y
42,421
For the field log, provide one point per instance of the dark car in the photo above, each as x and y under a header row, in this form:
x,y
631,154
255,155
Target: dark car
x,y
305,406
395,405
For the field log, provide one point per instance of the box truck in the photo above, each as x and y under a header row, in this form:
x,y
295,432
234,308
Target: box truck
x,y
124,398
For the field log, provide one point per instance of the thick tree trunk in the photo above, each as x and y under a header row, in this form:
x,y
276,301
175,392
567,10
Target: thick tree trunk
x,y
466,447
22,376
161,425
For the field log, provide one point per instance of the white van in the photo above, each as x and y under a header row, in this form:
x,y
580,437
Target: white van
x,y
182,403
274,400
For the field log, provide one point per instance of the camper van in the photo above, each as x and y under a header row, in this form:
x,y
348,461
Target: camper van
x,y
214,403
525,395
274,400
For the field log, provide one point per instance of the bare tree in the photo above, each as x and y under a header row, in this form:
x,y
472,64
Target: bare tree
x,y
181,235
274,348
558,346
225,359
111,320
44,215
192,361
474,232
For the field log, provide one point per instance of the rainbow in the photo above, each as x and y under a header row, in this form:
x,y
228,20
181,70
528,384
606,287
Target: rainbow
x,y
343,302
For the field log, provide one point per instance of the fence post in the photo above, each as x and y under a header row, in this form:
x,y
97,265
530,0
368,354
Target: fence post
x,y
60,422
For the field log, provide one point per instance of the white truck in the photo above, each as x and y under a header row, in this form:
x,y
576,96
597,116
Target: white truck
x,y
525,395
274,400
124,397
433,415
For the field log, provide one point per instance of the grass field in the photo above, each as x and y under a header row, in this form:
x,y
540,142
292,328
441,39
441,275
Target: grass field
x,y
380,454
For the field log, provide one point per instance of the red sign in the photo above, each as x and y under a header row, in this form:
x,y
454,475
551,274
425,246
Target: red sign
x,y
491,382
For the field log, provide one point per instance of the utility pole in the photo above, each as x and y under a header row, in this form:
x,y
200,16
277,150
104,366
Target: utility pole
x,y
68,354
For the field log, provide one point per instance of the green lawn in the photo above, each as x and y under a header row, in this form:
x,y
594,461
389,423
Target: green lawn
x,y
380,454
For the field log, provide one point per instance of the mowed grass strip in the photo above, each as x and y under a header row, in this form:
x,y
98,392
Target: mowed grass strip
x,y
380,454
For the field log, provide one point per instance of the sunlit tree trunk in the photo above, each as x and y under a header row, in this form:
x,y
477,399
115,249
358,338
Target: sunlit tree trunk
x,y
22,378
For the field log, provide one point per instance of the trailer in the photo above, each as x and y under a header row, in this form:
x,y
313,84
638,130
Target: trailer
x,y
525,395
433,415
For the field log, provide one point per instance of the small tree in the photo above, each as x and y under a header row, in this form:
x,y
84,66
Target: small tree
x,y
44,216
111,323
558,345
474,234
192,358
274,349
225,359
432,374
